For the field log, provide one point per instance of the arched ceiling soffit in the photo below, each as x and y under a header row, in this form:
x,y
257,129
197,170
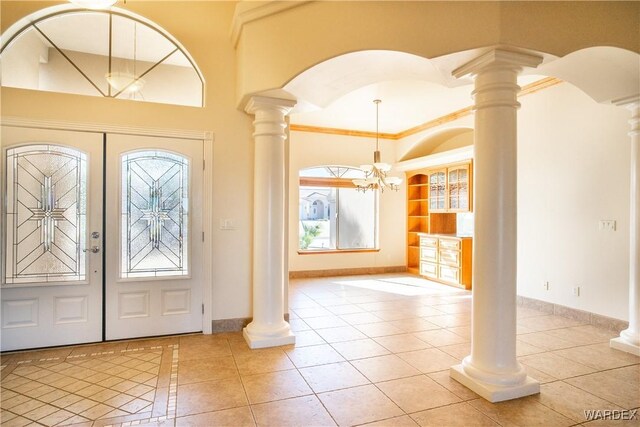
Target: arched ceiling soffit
x,y
317,31
605,73
338,93
457,136
321,85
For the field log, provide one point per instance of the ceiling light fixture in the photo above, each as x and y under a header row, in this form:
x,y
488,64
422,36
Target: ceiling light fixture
x,y
94,4
125,81
376,173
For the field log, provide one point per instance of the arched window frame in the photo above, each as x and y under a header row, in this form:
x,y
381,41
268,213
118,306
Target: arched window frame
x,y
26,23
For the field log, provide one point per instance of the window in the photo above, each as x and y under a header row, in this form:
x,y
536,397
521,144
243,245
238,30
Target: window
x,y
333,215
101,53
155,214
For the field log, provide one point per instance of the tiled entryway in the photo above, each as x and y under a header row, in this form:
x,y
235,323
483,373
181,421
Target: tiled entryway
x,y
370,350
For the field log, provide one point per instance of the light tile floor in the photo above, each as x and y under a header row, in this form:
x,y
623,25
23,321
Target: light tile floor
x,y
370,350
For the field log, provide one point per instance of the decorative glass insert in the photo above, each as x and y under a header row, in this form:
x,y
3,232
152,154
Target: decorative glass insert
x,y
46,214
155,214
437,186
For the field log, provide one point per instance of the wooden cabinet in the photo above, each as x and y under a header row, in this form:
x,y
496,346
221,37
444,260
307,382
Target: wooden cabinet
x,y
446,259
434,196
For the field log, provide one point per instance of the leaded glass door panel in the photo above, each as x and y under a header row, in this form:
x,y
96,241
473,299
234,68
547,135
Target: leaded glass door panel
x,y
154,224
51,280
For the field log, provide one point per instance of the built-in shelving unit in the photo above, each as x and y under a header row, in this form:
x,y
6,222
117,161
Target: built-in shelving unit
x,y
417,217
433,198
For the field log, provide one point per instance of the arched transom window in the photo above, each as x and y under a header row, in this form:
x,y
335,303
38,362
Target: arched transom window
x,y
100,53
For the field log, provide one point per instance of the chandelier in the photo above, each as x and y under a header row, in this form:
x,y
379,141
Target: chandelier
x,y
376,173
125,81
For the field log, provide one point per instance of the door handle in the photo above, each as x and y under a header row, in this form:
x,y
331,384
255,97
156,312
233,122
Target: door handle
x,y
94,249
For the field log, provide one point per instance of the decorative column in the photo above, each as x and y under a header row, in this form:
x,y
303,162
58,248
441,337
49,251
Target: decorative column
x,y
492,369
268,327
629,339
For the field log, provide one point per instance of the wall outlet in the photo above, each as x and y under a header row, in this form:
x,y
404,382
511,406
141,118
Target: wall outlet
x,y
576,291
545,285
607,225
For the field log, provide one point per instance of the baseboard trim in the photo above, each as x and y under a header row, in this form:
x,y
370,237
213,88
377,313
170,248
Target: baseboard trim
x,y
233,325
598,320
306,274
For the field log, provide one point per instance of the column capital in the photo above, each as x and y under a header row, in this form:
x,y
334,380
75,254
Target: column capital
x,y
630,102
500,58
257,103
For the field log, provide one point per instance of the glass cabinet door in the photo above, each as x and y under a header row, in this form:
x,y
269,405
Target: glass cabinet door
x,y
458,188
437,190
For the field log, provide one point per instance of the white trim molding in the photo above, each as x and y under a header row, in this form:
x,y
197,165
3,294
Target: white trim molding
x,y
249,11
106,128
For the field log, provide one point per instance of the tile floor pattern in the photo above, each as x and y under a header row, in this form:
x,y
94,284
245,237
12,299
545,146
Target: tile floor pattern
x,y
371,350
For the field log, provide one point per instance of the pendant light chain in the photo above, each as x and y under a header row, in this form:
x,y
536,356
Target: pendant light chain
x,y
376,173
377,102
135,47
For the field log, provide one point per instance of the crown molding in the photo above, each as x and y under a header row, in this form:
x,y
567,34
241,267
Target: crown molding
x,y
248,11
344,132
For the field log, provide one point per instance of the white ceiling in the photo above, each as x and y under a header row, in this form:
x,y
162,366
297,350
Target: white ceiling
x,y
339,93
405,104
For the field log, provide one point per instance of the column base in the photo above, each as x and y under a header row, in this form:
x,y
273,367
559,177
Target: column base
x,y
260,338
494,393
621,344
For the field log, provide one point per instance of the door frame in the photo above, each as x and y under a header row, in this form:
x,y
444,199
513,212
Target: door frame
x,y
207,198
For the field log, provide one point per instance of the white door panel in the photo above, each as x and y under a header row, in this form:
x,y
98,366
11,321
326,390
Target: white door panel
x,y
51,184
153,228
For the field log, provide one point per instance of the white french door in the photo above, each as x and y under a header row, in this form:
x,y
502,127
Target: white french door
x,y
153,243
57,267
51,183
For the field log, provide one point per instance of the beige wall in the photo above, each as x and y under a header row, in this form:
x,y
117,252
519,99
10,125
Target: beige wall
x,y
282,46
573,170
312,149
202,27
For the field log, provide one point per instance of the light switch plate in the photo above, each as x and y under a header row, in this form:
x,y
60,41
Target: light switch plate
x,y
607,225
